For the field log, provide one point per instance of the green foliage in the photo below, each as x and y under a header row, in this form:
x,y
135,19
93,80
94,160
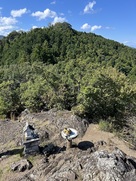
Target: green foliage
x,y
31,93
8,99
62,43
66,69
106,126
108,93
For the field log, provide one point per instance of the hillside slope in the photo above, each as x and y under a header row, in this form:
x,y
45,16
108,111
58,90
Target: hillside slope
x,y
62,43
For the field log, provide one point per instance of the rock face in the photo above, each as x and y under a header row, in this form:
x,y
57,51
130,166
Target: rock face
x,y
21,165
76,164
53,122
85,161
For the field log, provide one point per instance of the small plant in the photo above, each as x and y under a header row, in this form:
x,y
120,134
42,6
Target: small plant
x,y
106,126
2,117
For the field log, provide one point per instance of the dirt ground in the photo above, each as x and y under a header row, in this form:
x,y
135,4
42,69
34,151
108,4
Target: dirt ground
x,y
94,134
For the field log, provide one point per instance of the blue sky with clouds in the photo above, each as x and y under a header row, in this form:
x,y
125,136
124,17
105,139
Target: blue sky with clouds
x,y
112,19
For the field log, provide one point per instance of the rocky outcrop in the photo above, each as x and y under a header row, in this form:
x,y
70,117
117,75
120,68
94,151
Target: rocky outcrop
x,y
85,161
50,124
47,124
21,165
76,164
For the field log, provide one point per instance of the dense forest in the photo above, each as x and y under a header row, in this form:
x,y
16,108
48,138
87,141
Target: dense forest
x,y
59,67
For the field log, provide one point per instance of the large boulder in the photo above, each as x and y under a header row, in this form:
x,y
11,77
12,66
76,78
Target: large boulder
x,y
50,124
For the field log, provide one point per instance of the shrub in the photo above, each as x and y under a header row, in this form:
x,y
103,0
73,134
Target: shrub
x,y
106,126
108,93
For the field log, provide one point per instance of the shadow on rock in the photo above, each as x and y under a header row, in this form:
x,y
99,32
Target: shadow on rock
x,y
12,152
51,149
84,145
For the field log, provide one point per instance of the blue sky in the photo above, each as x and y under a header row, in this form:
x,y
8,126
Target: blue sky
x,y
112,19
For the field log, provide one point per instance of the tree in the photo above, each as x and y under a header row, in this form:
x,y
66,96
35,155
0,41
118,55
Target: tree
x,y
9,101
31,94
108,93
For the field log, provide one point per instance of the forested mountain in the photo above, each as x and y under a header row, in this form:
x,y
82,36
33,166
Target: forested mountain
x,y
62,43
60,67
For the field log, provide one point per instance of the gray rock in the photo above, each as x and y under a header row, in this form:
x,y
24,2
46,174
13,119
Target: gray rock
x,y
80,163
21,165
97,166
54,122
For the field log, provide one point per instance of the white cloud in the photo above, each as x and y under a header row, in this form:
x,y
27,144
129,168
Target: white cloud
x,y
108,27
45,14
61,14
85,26
18,13
126,42
53,2
96,27
7,24
7,21
130,43
33,27
89,7
4,30
58,19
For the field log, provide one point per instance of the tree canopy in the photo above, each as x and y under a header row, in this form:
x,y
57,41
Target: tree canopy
x,y
57,66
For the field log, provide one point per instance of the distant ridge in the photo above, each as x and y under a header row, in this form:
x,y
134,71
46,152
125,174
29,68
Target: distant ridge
x,y
1,37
